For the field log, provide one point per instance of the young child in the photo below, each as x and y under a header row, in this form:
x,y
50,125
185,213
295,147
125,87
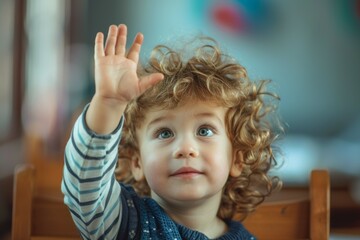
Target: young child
x,y
195,145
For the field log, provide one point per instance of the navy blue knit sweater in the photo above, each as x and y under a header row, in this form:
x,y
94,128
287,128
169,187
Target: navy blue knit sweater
x,y
143,218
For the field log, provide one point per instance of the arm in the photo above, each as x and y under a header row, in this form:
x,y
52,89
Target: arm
x,y
116,79
90,189
89,185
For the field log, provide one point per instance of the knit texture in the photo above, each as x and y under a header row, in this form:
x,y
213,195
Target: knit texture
x,y
147,220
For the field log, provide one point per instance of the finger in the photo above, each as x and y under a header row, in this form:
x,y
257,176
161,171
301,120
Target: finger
x,y
111,40
149,81
135,48
99,45
120,47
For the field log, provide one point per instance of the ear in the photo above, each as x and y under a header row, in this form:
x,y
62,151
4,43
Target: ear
x,y
136,167
236,165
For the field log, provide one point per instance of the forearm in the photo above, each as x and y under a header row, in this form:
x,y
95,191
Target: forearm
x,y
90,189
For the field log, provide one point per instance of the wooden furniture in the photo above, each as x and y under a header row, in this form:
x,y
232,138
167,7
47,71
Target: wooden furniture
x,y
295,213
291,214
39,216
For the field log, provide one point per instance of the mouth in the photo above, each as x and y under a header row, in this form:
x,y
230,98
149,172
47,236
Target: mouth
x,y
186,172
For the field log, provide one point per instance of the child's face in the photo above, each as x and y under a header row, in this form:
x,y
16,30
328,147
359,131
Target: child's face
x,y
185,153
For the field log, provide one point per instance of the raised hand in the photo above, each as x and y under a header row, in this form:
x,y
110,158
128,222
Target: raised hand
x,y
115,71
116,79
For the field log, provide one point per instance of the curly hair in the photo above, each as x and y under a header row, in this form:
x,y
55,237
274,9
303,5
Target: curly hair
x,y
210,75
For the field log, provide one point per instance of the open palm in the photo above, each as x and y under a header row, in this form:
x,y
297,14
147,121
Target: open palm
x,y
115,71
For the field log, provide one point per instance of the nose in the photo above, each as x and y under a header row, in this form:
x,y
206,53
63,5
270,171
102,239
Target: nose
x,y
186,147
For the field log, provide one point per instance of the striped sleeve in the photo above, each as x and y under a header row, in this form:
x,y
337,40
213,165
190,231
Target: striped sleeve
x,y
89,186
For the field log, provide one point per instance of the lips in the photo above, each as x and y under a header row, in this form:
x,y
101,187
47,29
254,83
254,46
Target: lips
x,y
186,171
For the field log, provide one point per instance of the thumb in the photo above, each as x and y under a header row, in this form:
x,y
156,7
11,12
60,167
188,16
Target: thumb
x,y
149,81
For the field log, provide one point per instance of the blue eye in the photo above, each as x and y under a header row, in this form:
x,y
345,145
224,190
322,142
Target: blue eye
x,y
164,134
205,132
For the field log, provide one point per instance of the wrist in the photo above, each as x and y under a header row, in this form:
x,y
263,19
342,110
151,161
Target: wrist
x,y
103,115
111,104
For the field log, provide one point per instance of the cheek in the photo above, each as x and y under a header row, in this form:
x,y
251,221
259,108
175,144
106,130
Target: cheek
x,y
155,177
153,166
223,148
221,156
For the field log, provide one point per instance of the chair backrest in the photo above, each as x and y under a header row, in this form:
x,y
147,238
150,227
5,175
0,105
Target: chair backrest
x,y
291,214
295,213
39,216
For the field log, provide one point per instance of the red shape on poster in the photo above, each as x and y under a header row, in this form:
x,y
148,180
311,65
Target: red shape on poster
x,y
229,17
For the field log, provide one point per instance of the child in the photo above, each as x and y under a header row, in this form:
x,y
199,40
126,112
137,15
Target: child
x,y
195,146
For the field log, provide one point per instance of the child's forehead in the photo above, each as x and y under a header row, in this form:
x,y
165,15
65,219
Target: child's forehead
x,y
187,104
195,108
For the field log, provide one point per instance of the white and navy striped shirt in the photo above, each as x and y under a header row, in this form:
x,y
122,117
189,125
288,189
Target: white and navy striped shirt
x,y
89,185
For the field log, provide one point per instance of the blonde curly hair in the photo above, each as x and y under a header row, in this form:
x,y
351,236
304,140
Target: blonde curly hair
x,y
210,75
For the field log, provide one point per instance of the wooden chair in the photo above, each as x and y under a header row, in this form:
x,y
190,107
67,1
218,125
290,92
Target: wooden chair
x,y
291,214
38,215
295,213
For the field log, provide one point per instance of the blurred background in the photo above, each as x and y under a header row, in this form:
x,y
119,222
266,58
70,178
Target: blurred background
x,y
309,49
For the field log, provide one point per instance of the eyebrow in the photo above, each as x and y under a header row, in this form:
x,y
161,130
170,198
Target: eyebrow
x,y
159,119
209,115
